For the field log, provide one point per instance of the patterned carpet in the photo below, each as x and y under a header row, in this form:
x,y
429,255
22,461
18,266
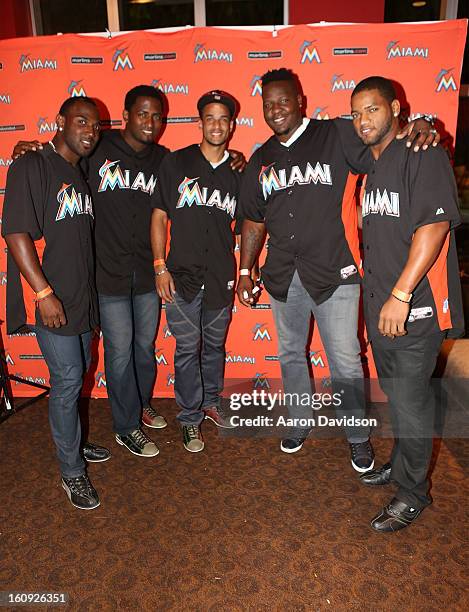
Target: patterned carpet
x,y
240,526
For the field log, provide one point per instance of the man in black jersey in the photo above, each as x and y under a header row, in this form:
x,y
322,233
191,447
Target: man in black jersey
x,y
198,190
47,224
299,187
411,288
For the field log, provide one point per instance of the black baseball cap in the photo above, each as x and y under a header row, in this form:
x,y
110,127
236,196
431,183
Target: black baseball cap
x,y
219,97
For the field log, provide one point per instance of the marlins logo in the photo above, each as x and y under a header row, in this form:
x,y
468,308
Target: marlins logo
x,y
445,80
166,332
201,54
112,176
278,180
191,193
309,53
5,161
75,90
7,358
3,278
170,380
256,86
260,332
319,113
393,49
122,60
72,203
100,380
44,126
159,357
260,381
27,63
171,88
339,84
316,359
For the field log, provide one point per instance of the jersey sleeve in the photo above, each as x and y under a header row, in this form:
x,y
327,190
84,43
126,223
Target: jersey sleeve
x,y
433,195
24,205
252,201
357,154
161,196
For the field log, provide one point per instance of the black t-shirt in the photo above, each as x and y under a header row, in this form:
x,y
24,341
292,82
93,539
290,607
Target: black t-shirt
x,y
122,182
201,203
404,191
305,195
49,198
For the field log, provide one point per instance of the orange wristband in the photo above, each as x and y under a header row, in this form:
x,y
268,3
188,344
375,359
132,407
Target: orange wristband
x,y
40,295
158,262
401,295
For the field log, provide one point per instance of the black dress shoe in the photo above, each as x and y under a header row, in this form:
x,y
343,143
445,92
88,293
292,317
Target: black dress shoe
x,y
94,453
382,476
396,515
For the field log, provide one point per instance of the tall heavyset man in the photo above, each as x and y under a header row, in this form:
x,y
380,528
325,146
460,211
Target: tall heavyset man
x,y
412,292
47,225
299,188
198,191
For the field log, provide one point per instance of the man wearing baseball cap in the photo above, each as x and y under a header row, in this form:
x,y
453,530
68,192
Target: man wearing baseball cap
x,y
198,191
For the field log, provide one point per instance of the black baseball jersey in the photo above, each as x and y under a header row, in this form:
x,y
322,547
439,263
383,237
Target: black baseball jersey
x,y
49,198
122,182
405,191
201,203
305,195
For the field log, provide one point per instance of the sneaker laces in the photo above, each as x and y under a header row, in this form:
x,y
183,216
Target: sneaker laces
x,y
139,438
150,411
80,485
360,449
192,432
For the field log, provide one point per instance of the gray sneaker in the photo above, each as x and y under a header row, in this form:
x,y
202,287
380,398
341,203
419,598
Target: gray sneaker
x,y
138,443
192,438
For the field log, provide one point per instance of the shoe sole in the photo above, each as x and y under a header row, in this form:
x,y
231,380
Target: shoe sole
x,y
291,450
219,424
134,453
69,495
97,460
155,426
362,470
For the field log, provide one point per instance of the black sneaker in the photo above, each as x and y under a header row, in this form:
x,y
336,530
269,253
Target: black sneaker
x,y
291,445
362,456
138,443
94,453
81,492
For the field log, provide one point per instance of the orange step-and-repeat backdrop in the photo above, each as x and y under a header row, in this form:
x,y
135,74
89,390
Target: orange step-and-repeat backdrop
x,y
37,74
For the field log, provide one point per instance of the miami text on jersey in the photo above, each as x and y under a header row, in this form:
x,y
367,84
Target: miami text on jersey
x,y
277,180
72,202
112,176
191,193
381,203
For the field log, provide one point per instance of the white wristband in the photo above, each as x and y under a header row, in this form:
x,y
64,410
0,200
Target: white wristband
x,y
245,272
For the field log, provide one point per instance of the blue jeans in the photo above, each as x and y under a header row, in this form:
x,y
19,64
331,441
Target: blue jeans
x,y
337,321
199,359
67,358
129,327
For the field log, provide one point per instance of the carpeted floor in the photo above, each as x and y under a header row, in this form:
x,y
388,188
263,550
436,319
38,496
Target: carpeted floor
x,y
240,526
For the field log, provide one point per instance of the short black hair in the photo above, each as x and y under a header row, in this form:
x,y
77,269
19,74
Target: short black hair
x,y
142,91
383,85
279,74
69,102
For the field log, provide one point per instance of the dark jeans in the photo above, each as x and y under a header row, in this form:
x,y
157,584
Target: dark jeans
x,y
405,377
129,326
67,358
199,359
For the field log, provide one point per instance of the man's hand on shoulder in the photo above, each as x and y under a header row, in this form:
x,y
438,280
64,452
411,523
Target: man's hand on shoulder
x,y
420,133
23,146
238,161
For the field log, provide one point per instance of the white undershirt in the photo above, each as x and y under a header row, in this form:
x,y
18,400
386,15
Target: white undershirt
x,y
297,133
